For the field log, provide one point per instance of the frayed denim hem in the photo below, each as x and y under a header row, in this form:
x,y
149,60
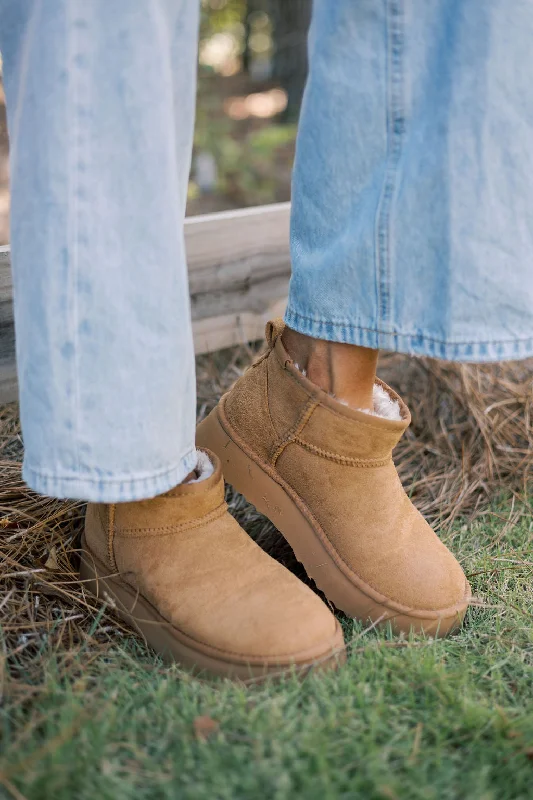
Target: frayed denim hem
x,y
109,489
416,344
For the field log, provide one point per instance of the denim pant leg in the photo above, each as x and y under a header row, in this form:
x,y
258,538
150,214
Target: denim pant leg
x,y
100,99
412,217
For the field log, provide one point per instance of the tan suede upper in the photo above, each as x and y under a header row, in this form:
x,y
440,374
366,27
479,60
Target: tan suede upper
x,y
190,559
338,462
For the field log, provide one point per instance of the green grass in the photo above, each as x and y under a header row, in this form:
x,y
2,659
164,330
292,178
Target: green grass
x,y
403,719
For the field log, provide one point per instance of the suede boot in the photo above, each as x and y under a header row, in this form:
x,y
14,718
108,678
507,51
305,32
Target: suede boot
x,y
323,473
180,570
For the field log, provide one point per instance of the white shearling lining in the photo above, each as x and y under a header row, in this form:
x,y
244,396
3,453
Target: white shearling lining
x,y
384,405
204,467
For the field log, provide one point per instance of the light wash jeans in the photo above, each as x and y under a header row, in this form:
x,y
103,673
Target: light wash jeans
x,y
100,99
412,225
412,211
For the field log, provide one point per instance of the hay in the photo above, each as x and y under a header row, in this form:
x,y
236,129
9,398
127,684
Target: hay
x,y
471,439
471,436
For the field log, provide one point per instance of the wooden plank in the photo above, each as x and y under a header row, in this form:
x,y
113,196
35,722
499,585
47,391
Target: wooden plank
x,y
239,270
215,333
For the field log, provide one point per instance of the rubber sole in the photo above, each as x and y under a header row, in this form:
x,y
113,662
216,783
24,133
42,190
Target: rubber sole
x,y
175,646
274,498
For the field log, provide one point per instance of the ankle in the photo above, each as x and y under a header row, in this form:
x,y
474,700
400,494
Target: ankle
x,y
348,372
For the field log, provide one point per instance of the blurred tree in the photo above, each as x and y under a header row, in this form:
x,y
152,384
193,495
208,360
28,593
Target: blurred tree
x,y
251,7
290,23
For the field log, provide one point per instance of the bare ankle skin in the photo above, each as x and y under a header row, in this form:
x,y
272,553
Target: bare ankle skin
x,y
344,370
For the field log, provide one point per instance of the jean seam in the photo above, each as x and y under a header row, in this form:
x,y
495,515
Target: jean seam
x,y
338,458
73,227
395,129
294,430
168,530
384,332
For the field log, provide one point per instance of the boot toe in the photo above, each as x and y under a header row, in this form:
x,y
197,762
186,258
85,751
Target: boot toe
x,y
286,623
432,583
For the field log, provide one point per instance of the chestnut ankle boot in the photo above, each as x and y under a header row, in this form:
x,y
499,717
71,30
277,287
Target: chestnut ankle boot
x,y
181,571
323,474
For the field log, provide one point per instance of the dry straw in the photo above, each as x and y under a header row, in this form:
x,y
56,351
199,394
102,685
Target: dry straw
x,y
471,439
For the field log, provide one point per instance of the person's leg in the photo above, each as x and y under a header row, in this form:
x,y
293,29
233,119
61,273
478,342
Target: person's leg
x,y
100,102
100,109
426,224
339,170
411,222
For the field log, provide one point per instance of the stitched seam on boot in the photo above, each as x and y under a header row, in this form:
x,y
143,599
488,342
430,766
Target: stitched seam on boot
x,y
297,428
346,460
267,401
102,517
111,536
166,530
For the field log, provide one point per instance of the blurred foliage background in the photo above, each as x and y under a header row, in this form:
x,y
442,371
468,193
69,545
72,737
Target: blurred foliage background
x,y
251,76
